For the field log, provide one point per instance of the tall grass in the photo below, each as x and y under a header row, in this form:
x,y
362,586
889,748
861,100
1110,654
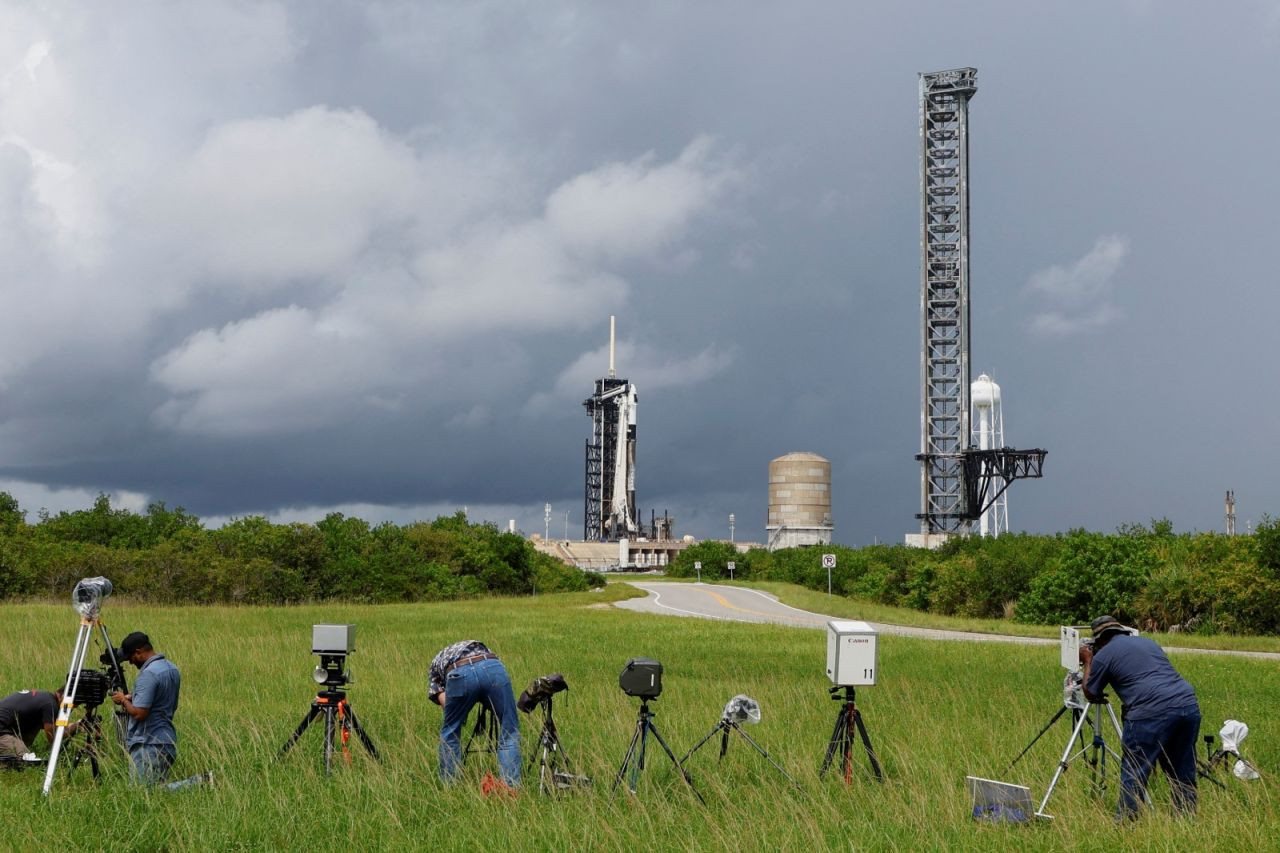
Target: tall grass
x,y
939,711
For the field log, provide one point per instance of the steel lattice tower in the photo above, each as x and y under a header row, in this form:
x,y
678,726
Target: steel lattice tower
x,y
944,298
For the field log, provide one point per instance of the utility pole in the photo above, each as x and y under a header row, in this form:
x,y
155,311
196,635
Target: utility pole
x,y
1231,513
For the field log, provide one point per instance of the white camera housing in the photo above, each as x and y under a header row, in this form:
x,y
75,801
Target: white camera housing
x,y
851,653
333,639
1070,646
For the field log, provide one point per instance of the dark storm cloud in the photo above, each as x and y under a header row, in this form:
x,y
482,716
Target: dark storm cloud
x,y
288,258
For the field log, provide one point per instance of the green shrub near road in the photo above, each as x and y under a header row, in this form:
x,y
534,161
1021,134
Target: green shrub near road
x,y
1149,576
166,556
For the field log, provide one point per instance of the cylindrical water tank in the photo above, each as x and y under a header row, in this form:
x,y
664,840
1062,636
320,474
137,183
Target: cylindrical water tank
x,y
799,491
984,393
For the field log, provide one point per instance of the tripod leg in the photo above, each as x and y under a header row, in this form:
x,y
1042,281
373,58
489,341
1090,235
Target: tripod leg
x,y
360,733
638,766
760,749
1039,735
302,727
68,699
719,726
833,743
328,738
683,774
1062,764
626,759
846,743
866,744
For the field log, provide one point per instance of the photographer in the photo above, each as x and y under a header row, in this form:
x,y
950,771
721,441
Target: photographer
x,y
460,676
151,738
1161,715
23,715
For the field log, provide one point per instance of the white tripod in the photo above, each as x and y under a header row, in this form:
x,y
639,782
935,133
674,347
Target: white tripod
x,y
87,599
1095,752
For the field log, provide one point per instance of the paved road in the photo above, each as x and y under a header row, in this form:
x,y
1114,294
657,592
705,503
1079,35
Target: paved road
x,y
740,604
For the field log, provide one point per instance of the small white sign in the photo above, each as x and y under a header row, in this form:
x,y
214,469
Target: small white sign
x,y
828,561
732,565
697,564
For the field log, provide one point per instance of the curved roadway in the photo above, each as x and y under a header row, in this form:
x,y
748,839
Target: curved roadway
x,y
741,604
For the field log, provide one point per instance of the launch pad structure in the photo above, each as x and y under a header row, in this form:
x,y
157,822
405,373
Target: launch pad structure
x,y
957,481
609,510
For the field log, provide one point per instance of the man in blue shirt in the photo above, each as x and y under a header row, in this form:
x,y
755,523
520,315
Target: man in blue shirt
x,y
151,738
1161,714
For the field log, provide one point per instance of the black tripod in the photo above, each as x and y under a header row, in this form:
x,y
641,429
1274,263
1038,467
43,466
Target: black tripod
x,y
847,720
486,728
1220,757
339,716
555,770
91,749
644,725
725,726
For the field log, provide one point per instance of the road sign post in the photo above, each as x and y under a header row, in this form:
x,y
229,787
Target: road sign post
x,y
828,563
732,565
697,565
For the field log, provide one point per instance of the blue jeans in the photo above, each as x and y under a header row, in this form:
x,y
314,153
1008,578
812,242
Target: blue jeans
x,y
485,681
149,763
1169,740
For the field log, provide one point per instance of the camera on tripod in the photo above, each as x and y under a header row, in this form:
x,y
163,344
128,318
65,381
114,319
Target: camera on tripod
x,y
1070,643
642,678
92,689
540,690
88,594
851,653
333,643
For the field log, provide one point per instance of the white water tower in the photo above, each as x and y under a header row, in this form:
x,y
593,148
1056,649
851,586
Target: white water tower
x,y
988,434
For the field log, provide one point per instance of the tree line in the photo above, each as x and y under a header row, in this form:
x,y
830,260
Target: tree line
x,y
168,556
1148,576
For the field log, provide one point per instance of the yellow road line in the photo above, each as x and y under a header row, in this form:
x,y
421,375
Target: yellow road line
x,y
724,602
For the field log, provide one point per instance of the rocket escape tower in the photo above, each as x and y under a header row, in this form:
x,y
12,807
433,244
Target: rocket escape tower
x,y
957,482
610,495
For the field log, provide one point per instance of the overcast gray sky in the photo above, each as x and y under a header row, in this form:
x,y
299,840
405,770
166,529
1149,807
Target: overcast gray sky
x,y
284,258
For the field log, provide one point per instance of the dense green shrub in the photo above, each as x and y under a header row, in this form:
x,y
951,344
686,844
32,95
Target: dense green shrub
x,y
166,556
1149,576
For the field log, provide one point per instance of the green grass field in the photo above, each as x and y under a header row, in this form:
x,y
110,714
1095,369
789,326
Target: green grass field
x,y
939,711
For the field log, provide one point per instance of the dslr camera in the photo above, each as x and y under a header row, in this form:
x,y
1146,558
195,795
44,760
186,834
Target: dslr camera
x,y
540,690
641,677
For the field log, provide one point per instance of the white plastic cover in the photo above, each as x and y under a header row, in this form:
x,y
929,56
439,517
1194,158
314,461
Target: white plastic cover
x,y
742,709
88,594
1073,691
1234,731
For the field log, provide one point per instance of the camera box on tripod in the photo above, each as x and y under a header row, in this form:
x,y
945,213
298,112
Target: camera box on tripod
x,y
1069,647
333,639
851,653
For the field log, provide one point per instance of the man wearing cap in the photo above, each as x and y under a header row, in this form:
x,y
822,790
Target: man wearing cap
x,y
151,738
460,676
25,714
1161,714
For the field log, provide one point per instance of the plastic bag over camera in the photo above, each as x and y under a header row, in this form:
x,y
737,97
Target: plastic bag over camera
x,y
1233,732
1073,691
88,594
742,709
